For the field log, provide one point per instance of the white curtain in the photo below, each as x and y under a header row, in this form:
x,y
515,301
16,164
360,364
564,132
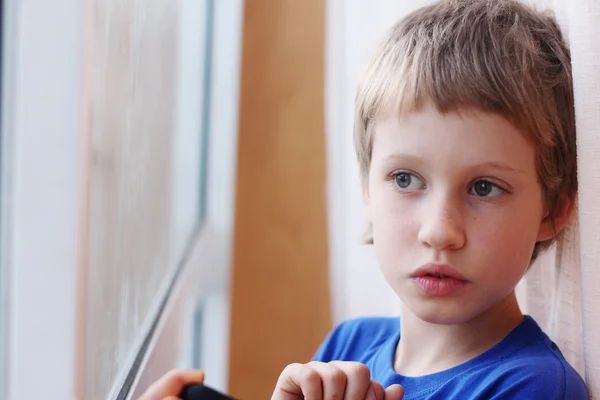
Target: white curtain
x,y
584,35
559,290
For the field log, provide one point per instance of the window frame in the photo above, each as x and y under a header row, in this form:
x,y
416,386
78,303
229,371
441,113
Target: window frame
x,y
43,241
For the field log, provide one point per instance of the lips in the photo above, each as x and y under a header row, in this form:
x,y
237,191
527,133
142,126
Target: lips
x,y
439,280
440,271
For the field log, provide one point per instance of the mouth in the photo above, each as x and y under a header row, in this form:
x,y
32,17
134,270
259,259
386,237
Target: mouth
x,y
437,276
438,271
439,280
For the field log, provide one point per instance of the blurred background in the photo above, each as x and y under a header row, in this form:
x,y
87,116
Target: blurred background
x,y
178,188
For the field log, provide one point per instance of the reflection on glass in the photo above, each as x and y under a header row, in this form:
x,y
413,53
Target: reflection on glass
x,y
144,170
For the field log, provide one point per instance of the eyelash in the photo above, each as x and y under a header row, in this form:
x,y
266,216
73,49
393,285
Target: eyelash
x,y
395,174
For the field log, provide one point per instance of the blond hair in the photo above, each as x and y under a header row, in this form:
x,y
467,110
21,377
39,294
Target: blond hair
x,y
499,56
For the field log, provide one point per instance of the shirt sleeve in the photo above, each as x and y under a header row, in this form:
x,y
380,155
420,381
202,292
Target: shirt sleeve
x,y
329,349
543,384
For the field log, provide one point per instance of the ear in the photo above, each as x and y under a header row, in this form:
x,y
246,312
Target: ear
x,y
564,212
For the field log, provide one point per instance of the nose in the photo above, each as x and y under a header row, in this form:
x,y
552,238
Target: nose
x,y
442,225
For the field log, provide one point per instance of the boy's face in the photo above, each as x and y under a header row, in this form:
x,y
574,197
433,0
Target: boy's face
x,y
457,191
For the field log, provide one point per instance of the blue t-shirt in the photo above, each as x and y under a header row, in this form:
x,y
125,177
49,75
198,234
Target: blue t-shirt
x,y
526,364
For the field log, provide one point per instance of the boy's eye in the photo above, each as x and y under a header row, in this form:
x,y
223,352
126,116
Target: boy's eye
x,y
486,189
407,181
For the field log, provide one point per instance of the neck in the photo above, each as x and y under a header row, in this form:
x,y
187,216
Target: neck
x,y
426,348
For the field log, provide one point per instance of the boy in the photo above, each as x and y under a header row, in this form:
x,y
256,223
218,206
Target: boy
x,y
465,135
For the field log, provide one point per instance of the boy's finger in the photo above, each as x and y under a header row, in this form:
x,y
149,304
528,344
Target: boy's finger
x,y
394,392
358,379
333,380
172,383
375,391
298,381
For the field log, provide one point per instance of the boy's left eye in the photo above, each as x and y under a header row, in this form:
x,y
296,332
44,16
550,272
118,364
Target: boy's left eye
x,y
487,189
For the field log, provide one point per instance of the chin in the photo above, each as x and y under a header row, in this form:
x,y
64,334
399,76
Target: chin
x,y
443,313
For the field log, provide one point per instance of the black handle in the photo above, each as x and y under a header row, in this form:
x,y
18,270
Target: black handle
x,y
201,392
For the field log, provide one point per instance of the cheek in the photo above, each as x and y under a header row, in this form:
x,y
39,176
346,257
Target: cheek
x,y
395,229
388,215
506,241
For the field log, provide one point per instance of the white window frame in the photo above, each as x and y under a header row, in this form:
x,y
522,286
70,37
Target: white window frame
x,y
41,241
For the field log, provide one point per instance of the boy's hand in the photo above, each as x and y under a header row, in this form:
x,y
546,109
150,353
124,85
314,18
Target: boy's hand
x,y
172,383
341,380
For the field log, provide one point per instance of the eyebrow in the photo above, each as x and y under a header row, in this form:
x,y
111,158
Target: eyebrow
x,y
393,157
414,158
502,167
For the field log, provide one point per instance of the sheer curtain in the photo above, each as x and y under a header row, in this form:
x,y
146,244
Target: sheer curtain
x,y
584,35
559,290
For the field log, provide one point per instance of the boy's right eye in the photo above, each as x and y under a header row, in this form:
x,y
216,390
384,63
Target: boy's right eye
x,y
408,181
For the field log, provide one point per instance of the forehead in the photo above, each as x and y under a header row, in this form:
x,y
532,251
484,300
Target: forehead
x,y
462,136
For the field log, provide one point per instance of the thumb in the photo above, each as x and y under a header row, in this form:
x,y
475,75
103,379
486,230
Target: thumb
x,y
394,392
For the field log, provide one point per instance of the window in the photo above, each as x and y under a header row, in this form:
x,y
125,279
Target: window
x,y
110,203
145,128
